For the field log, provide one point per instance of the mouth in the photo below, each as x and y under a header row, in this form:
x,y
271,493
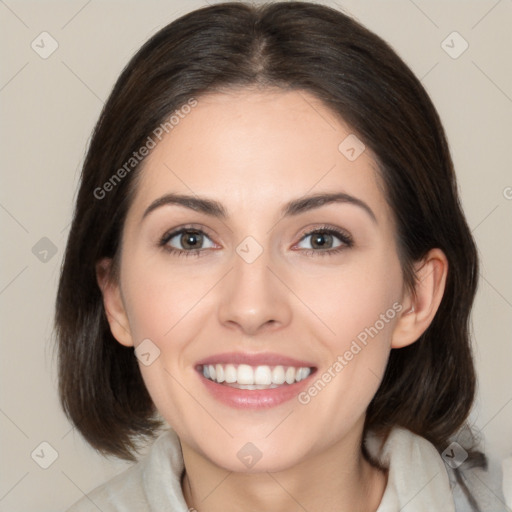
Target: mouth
x,y
244,376
254,381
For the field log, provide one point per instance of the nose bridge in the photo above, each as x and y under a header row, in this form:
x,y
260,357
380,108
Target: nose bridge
x,y
252,297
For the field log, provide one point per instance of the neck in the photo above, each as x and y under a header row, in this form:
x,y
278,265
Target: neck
x,y
338,479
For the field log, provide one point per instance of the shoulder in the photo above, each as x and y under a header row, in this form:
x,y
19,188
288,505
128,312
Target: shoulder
x,y
417,477
114,494
420,479
140,487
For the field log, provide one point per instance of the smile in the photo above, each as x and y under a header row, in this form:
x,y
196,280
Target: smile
x,y
244,376
254,381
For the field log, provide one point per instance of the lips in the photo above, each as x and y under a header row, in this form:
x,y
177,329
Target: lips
x,y
266,358
254,380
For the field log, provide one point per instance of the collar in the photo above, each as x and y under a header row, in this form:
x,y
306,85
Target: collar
x,y
417,477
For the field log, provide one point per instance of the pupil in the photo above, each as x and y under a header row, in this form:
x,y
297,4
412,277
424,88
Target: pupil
x,y
190,239
319,240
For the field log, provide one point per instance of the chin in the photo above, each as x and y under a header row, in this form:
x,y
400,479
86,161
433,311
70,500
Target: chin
x,y
252,457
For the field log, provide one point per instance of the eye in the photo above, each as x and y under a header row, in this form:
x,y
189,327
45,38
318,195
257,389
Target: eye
x,y
328,240
186,241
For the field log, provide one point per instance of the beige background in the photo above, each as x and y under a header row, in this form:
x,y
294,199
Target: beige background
x,y
48,109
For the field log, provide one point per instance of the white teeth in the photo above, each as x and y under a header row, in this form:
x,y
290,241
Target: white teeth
x,y
229,374
263,376
253,386
219,371
245,376
302,373
278,376
290,375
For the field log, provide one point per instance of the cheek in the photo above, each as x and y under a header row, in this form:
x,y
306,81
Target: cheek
x,y
347,382
354,299
359,308
166,306
161,300
160,306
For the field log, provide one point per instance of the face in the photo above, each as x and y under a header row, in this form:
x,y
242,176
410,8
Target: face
x,y
234,269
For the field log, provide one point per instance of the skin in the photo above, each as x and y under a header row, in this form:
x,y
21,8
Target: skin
x,y
254,151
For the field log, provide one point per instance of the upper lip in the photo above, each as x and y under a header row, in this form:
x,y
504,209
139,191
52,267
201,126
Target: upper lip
x,y
267,358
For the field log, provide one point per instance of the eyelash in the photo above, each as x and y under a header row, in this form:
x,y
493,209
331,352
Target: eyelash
x,y
346,241
181,252
343,236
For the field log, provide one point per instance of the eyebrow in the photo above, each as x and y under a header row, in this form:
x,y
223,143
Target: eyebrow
x,y
295,207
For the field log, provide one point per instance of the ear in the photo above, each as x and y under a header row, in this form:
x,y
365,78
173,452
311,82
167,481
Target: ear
x,y
113,302
420,306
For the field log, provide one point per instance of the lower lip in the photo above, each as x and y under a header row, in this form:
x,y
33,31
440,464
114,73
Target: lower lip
x,y
254,398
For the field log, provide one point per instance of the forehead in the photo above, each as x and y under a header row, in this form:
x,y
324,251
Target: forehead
x,y
258,149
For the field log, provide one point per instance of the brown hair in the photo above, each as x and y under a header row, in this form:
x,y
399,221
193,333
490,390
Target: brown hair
x,y
429,386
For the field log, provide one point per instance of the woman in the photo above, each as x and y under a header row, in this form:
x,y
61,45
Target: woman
x,y
268,255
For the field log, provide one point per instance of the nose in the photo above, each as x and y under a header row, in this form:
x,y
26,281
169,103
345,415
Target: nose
x,y
253,298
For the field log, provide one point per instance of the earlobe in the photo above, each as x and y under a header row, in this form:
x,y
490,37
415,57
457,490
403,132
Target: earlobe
x,y
113,303
422,305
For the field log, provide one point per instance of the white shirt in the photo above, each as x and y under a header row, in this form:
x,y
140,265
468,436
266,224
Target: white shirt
x,y
417,478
